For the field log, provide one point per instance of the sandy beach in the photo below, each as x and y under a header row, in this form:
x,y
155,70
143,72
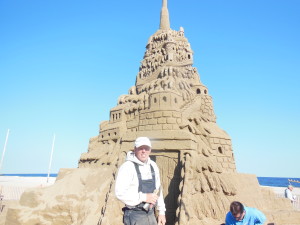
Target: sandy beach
x,y
280,190
12,187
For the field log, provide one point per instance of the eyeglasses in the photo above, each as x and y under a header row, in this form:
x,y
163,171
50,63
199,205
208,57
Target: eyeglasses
x,y
239,216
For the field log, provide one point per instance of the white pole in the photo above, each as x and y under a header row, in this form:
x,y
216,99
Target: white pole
x,y
51,158
4,149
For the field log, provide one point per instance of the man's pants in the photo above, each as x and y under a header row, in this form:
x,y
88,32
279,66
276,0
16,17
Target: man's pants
x,y
139,217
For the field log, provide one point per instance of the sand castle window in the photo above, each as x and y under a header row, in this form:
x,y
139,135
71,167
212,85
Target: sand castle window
x,y
155,100
113,116
198,91
115,133
165,98
119,115
189,57
205,91
220,150
108,134
175,100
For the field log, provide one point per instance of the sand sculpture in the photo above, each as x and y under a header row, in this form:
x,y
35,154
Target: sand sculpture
x,y
170,105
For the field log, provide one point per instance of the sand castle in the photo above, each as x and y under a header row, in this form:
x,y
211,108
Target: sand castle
x,y
171,106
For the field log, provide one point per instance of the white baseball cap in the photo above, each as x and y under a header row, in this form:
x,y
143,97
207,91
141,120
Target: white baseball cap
x,y
140,141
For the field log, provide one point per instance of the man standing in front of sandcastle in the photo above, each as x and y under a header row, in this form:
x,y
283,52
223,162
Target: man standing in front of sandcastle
x,y
138,186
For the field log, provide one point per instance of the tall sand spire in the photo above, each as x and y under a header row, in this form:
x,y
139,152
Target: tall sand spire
x,y
164,16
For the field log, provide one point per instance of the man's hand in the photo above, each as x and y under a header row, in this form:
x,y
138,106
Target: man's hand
x,y
161,220
151,198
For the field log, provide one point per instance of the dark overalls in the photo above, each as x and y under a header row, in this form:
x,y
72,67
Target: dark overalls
x,y
138,215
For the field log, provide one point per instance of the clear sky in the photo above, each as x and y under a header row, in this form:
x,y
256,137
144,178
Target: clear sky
x,y
64,63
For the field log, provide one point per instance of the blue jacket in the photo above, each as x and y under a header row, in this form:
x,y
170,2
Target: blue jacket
x,y
252,217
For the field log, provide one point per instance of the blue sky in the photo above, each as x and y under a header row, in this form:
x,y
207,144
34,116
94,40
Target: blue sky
x,y
63,65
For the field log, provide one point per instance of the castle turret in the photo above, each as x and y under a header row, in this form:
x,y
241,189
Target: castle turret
x,y
164,16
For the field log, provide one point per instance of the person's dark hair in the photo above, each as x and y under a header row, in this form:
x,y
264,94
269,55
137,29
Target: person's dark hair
x,y
236,208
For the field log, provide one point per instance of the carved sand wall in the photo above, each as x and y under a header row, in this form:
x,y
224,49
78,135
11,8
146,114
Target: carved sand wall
x,y
170,105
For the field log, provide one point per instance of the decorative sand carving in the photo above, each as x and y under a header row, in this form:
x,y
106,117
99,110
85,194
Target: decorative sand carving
x,y
171,106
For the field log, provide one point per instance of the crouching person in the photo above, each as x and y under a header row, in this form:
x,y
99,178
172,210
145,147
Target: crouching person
x,y
240,215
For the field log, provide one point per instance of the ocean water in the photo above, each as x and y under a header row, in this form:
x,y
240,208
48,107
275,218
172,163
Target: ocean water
x,y
265,181
278,181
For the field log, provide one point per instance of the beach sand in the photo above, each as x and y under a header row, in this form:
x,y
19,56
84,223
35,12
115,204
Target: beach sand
x,y
12,187
280,190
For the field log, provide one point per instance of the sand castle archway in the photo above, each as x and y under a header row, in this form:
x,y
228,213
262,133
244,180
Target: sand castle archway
x,y
169,164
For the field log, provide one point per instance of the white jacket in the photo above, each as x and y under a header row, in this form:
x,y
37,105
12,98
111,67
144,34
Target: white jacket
x,y
289,195
127,182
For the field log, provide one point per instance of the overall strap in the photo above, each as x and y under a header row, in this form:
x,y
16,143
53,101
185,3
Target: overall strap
x,y
140,176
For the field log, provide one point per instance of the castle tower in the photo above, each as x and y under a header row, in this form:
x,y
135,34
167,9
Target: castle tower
x,y
171,106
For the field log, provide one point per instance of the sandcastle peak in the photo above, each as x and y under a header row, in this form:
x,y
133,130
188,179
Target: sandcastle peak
x,y
164,16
